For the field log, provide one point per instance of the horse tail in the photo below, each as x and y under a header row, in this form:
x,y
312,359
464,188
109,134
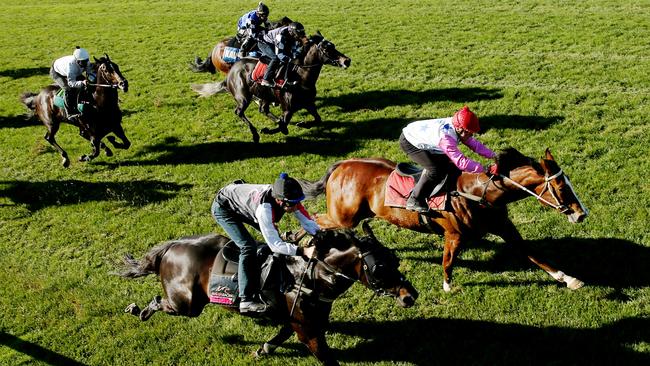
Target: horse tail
x,y
29,101
203,66
150,264
315,189
206,90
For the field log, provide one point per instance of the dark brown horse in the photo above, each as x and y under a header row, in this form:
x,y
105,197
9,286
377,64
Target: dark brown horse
x,y
215,61
341,259
355,191
101,117
239,84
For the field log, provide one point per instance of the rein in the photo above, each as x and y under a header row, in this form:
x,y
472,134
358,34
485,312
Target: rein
x,y
114,86
547,185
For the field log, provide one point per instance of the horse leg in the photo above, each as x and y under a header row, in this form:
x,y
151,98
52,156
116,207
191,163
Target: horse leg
x,y
119,132
49,137
239,111
511,235
95,144
312,110
282,124
157,304
86,134
265,110
449,254
269,347
317,345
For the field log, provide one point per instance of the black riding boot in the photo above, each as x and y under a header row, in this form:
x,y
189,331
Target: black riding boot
x,y
269,75
417,200
71,104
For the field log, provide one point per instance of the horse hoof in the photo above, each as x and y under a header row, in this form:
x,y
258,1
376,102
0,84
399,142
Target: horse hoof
x,y
284,129
65,162
109,153
132,309
574,283
446,286
266,131
84,158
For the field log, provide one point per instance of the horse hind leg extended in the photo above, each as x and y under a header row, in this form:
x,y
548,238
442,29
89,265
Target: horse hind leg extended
x,y
49,137
157,304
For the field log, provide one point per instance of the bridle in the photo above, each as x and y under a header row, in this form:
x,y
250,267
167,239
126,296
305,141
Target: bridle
x,y
323,55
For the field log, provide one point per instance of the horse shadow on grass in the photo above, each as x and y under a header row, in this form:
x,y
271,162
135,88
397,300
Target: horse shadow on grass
x,y
171,152
38,195
19,121
25,72
382,99
35,351
475,342
606,262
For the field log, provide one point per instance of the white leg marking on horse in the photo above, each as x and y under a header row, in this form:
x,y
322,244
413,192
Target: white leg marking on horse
x,y
446,286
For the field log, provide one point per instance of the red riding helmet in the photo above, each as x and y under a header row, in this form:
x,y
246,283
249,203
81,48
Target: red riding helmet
x,y
466,119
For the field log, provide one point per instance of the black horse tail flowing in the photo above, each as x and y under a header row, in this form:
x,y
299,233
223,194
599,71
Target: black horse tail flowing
x,y
203,66
149,265
315,189
206,90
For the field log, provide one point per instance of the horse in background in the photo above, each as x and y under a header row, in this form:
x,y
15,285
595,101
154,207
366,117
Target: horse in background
x,y
215,60
101,114
291,98
355,190
340,260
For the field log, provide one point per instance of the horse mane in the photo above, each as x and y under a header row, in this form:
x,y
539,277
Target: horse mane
x,y
510,158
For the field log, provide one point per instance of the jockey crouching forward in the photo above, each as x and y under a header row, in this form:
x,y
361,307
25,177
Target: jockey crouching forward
x,y
261,206
434,143
67,72
251,27
281,45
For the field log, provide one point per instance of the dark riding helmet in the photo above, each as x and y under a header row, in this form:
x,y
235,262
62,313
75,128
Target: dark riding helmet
x,y
296,30
262,10
287,189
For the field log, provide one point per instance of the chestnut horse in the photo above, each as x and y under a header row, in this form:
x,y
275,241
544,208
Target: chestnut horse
x,y
239,83
215,61
101,117
340,259
355,191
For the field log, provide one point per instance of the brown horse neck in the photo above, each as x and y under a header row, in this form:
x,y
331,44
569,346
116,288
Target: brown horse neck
x,y
500,192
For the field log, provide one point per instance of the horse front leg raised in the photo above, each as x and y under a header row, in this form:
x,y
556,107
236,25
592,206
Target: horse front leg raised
x,y
317,119
282,124
511,235
157,304
269,347
119,132
95,144
317,344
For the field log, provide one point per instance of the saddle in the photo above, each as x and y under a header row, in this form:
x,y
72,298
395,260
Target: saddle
x,y
275,278
258,73
60,102
401,181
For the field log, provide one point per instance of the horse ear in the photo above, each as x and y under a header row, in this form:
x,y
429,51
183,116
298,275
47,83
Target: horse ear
x,y
549,156
368,230
96,60
108,58
318,33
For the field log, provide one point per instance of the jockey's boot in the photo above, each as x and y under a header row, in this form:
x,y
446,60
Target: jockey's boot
x,y
252,307
71,111
270,84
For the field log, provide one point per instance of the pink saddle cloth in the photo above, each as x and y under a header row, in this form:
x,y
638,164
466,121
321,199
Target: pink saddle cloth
x,y
398,188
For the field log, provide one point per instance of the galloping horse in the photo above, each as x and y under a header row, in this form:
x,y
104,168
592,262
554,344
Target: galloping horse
x,y
101,117
355,191
215,61
341,259
239,83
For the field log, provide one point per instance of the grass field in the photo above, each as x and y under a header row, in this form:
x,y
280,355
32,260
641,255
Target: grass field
x,y
571,76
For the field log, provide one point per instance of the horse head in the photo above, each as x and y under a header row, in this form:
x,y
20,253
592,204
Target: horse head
x,y
342,254
550,184
325,52
108,72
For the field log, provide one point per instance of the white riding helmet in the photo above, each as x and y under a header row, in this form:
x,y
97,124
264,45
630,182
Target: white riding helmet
x,y
81,54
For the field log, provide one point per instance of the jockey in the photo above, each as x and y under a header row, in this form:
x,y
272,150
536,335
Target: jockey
x,y
67,73
434,143
281,45
251,27
261,206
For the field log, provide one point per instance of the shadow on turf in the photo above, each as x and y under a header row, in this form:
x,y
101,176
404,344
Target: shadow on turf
x,y
381,99
18,121
472,342
607,262
35,351
38,195
170,152
25,72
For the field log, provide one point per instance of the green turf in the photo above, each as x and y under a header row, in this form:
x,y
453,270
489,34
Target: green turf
x,y
571,76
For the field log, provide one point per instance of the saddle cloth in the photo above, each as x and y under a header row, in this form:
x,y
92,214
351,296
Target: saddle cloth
x,y
400,183
258,74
